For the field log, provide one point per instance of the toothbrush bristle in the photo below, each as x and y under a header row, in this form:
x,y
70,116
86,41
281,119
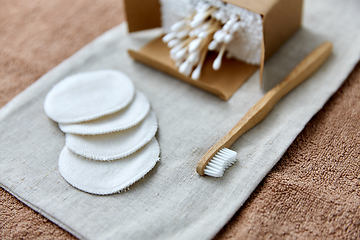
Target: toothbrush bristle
x,y
217,165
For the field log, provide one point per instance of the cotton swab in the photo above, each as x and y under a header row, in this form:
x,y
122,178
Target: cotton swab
x,y
213,45
179,46
209,31
228,37
169,37
181,53
219,35
217,62
173,42
194,57
197,72
183,33
194,44
229,24
237,26
178,26
200,17
185,68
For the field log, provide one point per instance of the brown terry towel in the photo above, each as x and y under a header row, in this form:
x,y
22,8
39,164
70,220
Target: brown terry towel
x,y
313,192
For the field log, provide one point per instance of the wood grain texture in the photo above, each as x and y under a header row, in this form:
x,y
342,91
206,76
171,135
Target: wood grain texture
x,y
312,193
262,108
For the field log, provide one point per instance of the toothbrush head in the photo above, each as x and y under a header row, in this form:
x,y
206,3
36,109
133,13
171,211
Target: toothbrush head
x,y
217,165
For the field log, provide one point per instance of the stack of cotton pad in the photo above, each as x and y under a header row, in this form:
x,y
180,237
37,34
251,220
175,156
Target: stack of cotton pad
x,y
110,131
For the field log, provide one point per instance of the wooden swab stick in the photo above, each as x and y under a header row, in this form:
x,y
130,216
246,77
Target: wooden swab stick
x,y
209,31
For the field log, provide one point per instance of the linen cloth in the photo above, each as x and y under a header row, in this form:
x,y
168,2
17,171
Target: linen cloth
x,y
216,193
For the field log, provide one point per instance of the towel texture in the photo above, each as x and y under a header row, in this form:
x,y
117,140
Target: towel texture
x,y
290,200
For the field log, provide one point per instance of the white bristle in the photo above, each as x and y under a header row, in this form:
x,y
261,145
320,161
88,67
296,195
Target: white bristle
x,y
217,165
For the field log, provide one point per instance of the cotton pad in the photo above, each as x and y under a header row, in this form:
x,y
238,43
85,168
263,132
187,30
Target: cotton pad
x,y
121,120
102,178
87,96
106,147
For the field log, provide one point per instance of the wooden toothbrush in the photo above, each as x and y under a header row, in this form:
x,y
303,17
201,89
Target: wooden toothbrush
x,y
218,158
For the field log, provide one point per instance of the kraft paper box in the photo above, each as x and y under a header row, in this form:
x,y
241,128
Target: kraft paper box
x,y
280,19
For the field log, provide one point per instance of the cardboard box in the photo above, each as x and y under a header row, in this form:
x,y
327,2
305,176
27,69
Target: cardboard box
x,y
281,19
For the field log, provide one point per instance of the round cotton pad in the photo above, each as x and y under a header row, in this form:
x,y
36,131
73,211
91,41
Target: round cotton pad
x,y
107,177
86,96
121,120
106,147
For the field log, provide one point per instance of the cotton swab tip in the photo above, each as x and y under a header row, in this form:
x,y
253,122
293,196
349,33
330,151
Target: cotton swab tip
x,y
213,45
168,37
183,67
203,34
194,57
188,70
194,45
237,26
175,49
182,34
173,43
228,37
180,54
196,22
196,73
177,26
217,63
219,35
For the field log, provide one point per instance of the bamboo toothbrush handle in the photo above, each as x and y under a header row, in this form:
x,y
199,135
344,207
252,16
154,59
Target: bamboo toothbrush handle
x,y
261,109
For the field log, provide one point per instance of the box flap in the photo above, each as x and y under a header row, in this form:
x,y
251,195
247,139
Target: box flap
x,y
261,7
222,83
280,23
141,15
